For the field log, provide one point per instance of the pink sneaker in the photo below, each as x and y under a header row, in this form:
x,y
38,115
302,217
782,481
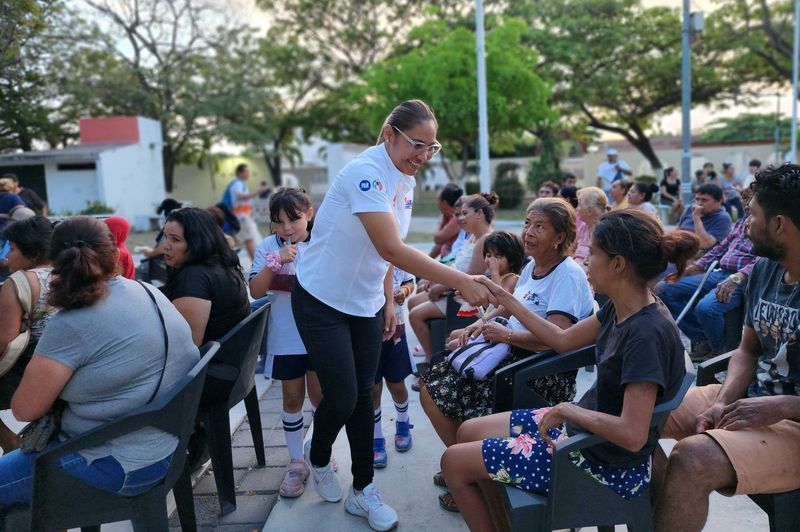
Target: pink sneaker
x,y
294,483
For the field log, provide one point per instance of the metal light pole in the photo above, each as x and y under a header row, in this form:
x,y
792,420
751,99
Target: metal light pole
x,y
795,57
483,119
686,102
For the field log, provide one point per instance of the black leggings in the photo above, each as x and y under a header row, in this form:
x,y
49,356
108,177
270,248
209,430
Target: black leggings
x,y
344,352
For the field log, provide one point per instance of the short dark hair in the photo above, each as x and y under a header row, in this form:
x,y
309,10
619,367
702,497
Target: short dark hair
x,y
640,239
168,205
509,246
552,185
568,175
84,257
710,189
778,191
31,237
12,177
241,167
569,193
450,193
205,241
754,162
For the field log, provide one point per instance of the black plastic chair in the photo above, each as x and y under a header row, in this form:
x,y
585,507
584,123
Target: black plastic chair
x,y
511,389
231,379
61,501
575,499
782,509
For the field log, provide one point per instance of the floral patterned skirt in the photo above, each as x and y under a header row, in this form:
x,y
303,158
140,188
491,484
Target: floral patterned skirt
x,y
462,399
523,460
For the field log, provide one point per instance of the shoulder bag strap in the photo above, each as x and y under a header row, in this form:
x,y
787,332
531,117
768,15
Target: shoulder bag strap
x,y
166,340
23,289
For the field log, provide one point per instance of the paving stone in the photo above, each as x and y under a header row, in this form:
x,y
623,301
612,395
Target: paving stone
x,y
244,457
206,485
250,509
262,480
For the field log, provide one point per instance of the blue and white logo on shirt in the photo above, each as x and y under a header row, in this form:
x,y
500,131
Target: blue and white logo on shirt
x,y
364,185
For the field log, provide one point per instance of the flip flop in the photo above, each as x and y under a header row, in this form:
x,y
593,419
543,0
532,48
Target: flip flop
x,y
418,352
447,502
438,480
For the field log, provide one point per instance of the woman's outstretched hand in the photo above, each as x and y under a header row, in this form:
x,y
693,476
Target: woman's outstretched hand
x,y
476,294
498,293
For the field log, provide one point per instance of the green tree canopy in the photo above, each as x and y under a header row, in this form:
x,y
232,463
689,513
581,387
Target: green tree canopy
x,y
437,65
746,127
616,65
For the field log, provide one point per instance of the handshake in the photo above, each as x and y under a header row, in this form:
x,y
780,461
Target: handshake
x,y
480,291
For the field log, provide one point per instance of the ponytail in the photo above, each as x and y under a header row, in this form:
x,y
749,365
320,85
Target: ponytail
x,y
640,239
84,257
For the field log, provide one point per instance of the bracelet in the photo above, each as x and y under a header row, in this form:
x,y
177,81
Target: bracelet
x,y
510,332
274,262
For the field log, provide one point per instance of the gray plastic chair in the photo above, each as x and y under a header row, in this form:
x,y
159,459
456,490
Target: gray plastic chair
x,y
575,499
61,501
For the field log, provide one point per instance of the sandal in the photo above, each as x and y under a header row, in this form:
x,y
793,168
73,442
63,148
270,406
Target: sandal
x,y
447,502
438,480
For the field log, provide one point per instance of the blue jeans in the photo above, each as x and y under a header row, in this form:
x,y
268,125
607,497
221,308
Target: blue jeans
x,y
708,319
734,203
16,475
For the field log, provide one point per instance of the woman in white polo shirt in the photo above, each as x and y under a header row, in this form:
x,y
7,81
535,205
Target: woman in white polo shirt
x,y
343,301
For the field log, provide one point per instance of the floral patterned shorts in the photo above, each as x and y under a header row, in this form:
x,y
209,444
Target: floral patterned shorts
x,y
523,460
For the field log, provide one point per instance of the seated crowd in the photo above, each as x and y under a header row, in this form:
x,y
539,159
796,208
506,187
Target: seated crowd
x,y
588,268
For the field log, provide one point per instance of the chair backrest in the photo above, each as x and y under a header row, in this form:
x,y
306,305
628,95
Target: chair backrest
x,y
58,494
239,349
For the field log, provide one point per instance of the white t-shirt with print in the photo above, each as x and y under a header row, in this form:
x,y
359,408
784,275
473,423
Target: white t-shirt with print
x,y
283,337
564,290
341,266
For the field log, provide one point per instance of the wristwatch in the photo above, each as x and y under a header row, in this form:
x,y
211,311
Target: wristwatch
x,y
737,278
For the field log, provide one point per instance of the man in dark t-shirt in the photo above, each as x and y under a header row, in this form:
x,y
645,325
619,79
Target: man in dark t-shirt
x,y
744,436
30,197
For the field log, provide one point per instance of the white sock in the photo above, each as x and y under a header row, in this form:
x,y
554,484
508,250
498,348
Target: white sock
x,y
293,429
378,428
402,411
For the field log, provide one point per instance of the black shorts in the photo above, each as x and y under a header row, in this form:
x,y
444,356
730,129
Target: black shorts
x,y
287,367
395,362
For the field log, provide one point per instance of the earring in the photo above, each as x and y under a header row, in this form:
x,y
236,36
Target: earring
x,y
555,246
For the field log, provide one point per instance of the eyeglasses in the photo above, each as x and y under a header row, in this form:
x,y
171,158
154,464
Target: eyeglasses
x,y
431,149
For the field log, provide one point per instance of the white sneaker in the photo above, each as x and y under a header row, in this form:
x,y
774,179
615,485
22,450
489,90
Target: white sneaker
x,y
307,451
326,481
367,503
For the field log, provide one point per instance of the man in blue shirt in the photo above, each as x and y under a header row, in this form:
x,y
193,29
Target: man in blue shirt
x,y
706,217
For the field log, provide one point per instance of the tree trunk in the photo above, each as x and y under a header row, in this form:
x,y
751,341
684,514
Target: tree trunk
x,y
169,167
274,166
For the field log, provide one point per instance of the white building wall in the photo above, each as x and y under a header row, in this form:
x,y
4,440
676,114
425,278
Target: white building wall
x,y
131,178
69,191
132,181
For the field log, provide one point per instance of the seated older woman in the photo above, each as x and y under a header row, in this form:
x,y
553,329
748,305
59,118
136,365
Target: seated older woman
x,y
103,355
551,286
592,203
29,248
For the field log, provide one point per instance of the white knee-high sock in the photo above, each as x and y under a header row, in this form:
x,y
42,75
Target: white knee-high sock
x,y
293,429
378,428
402,411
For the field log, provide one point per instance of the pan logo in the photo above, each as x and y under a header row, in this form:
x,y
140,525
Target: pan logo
x,y
364,185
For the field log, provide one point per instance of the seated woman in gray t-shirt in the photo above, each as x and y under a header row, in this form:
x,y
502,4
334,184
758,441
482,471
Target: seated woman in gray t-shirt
x,y
103,355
